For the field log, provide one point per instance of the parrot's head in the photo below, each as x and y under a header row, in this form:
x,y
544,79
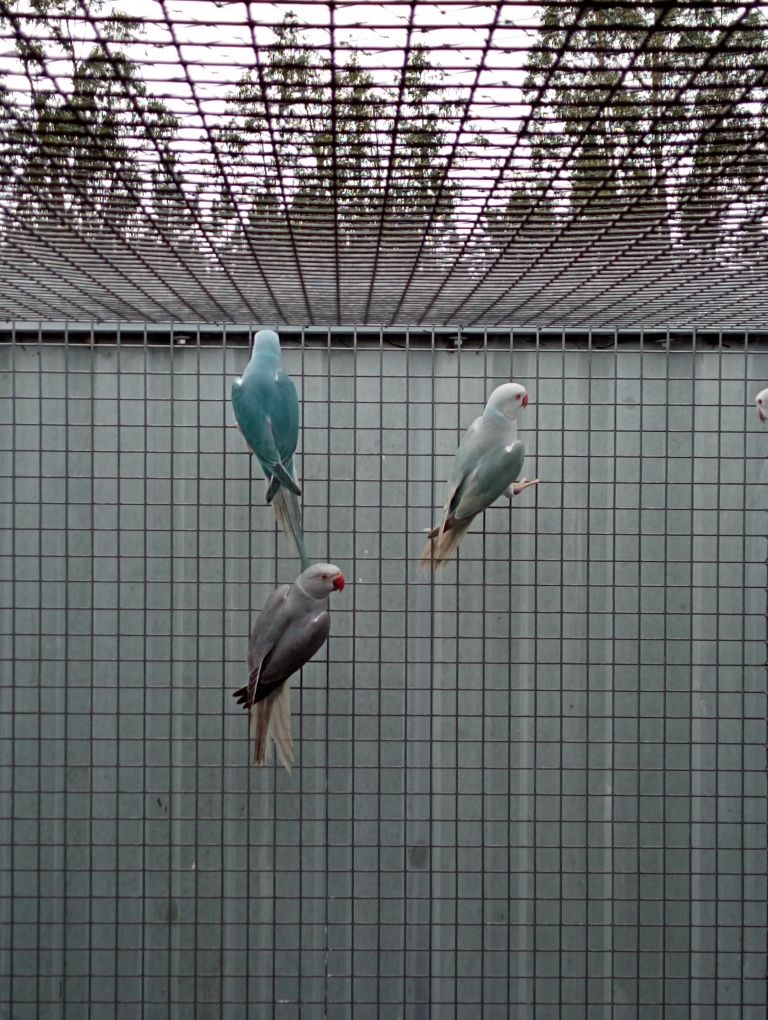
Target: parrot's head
x,y
508,399
266,343
761,402
319,580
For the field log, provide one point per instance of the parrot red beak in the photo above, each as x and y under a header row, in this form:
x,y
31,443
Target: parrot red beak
x,y
525,400
339,582
761,414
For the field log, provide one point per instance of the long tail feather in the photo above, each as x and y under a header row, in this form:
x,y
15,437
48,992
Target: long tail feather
x,y
271,722
288,514
261,713
442,545
281,725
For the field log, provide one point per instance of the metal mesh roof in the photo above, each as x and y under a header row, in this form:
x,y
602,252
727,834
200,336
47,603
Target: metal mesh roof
x,y
482,164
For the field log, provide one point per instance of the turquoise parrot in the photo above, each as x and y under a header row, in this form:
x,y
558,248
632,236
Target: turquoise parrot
x,y
487,465
293,625
267,410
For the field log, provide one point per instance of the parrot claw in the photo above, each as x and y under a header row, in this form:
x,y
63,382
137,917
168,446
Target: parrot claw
x,y
521,486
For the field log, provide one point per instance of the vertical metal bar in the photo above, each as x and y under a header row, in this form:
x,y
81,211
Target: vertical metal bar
x,y
535,692
406,786
353,592
561,670
12,805
665,633
250,778
612,763
379,731
195,763
328,700
298,695
145,706
743,714
460,575
718,576
67,646
486,749
535,586
588,665
273,770
175,803
91,728
431,579
226,703
692,784
639,685
408,673
41,626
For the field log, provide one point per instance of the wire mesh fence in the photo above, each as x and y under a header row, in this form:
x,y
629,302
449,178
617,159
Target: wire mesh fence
x,y
433,161
534,785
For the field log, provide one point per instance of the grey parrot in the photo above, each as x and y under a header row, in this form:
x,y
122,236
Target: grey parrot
x,y
487,465
292,626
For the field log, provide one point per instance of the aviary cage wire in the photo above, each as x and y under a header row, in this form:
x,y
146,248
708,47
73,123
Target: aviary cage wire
x,y
497,163
535,786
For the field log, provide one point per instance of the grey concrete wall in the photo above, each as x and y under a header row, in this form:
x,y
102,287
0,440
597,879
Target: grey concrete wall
x,y
533,787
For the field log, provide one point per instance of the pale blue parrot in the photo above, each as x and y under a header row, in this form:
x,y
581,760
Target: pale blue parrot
x,y
487,465
267,411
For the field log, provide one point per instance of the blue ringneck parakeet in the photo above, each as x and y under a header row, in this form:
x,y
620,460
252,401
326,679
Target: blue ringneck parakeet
x,y
267,411
487,465
761,402
292,626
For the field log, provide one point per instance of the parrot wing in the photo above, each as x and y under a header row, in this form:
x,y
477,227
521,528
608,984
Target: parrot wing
x,y
295,648
258,427
282,407
269,625
281,643
494,473
463,461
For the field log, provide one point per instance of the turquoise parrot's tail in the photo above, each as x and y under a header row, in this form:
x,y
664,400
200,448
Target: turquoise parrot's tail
x,y
442,543
288,513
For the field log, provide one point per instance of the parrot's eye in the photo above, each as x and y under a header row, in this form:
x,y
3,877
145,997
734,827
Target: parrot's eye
x,y
760,402
517,396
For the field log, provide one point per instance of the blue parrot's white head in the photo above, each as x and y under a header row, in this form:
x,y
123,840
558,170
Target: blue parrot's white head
x,y
266,342
761,401
508,399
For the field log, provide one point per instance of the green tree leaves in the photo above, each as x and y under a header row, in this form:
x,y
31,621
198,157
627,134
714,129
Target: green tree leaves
x,y
321,144
88,148
650,110
646,131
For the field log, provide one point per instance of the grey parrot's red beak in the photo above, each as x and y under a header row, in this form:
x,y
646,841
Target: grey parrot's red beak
x,y
339,582
525,400
761,414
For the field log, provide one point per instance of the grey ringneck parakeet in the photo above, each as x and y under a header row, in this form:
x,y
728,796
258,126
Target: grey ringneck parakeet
x,y
267,410
761,402
292,626
487,465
